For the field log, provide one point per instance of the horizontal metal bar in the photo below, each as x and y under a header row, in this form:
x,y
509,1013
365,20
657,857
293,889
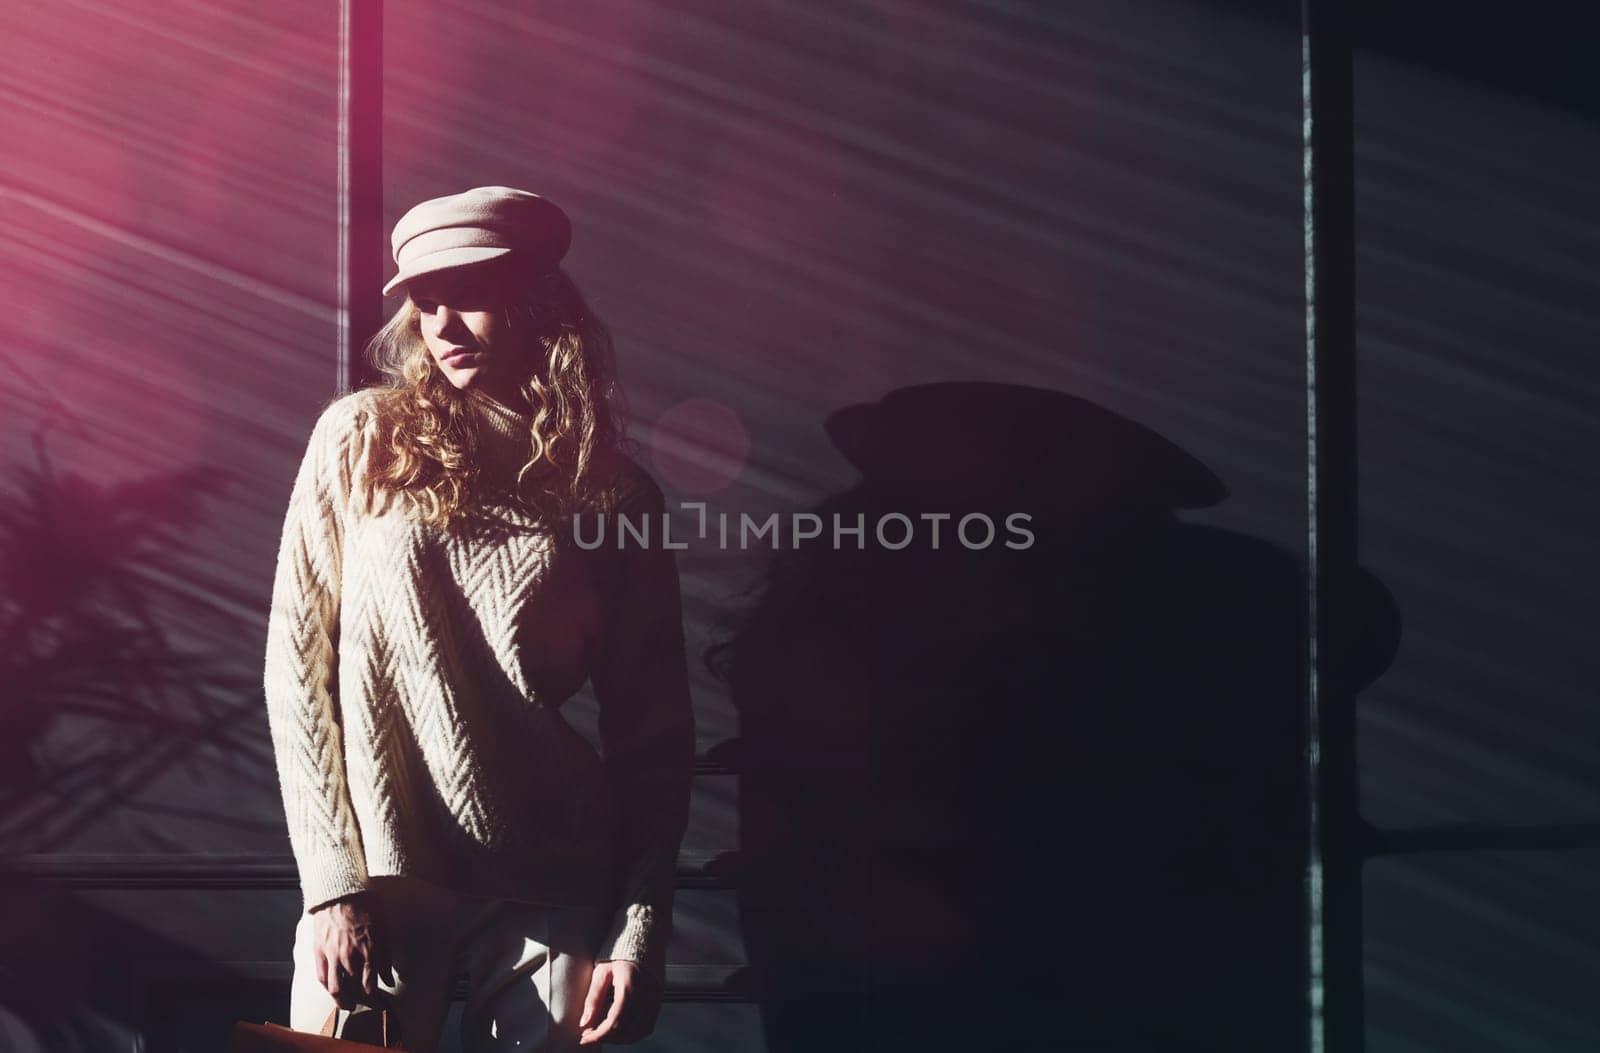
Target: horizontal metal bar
x,y
1484,837
696,870
685,983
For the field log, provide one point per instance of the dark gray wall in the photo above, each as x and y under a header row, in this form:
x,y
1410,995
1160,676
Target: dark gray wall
x,y
785,211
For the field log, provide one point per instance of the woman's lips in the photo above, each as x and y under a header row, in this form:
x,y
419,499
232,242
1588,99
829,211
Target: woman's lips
x,y
457,356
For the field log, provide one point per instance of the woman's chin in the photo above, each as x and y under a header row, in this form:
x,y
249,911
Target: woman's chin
x,y
463,379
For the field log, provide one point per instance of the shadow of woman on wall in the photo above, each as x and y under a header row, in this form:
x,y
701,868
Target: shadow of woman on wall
x,y
1034,788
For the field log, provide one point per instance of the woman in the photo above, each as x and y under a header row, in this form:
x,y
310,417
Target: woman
x,y
430,613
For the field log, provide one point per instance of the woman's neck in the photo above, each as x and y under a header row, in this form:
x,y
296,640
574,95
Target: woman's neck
x,y
505,434
513,399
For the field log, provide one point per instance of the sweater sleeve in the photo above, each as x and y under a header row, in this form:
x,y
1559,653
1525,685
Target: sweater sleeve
x,y
301,669
646,734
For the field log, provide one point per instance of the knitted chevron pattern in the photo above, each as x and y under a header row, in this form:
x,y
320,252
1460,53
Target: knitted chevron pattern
x,y
413,683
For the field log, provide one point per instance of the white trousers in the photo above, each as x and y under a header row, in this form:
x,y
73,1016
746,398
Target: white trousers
x,y
527,965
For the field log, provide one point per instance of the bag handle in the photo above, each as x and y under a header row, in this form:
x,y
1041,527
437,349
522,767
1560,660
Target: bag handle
x,y
333,1019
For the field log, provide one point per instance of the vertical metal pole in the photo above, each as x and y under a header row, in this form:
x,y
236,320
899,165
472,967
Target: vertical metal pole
x,y
361,245
1334,864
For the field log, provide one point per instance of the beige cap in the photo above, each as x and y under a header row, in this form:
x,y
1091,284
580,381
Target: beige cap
x,y
480,224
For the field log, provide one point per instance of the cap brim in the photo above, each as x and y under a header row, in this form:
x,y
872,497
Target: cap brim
x,y
443,260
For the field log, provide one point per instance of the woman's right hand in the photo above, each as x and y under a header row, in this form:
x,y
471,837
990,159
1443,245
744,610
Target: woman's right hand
x,y
350,948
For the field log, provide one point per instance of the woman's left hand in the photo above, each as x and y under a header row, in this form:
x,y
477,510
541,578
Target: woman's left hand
x,y
635,1003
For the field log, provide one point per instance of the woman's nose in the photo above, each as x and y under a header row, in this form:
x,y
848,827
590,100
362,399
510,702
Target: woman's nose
x,y
443,316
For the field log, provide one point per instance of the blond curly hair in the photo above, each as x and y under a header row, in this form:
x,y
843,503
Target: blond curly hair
x,y
424,449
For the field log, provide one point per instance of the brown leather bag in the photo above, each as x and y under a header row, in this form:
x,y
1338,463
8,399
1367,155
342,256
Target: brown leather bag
x,y
275,1038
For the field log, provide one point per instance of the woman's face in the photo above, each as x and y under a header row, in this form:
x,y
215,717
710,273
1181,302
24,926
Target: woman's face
x,y
464,325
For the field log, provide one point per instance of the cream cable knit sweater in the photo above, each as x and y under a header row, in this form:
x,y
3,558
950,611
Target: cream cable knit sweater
x,y
414,678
